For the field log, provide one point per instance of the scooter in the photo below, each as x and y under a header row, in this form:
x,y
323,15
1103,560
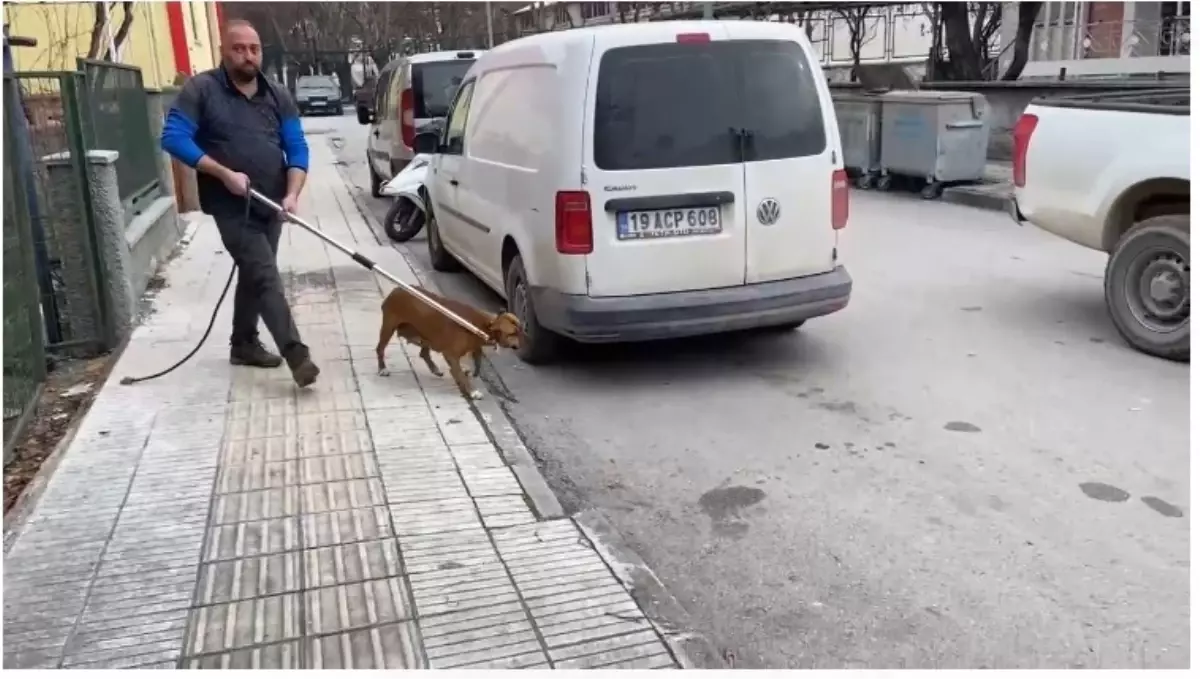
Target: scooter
x,y
406,217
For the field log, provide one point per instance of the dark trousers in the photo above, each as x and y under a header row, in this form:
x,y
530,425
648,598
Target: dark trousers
x,y
254,246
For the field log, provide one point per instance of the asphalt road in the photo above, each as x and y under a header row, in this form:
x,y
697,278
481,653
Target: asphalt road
x,y
967,467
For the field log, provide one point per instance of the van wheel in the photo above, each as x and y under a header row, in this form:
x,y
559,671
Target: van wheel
x,y
363,118
439,256
539,345
376,181
1147,285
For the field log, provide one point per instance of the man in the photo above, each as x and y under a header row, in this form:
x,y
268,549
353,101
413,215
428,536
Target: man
x,y
240,131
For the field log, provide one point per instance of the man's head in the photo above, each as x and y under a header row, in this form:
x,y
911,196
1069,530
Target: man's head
x,y
241,50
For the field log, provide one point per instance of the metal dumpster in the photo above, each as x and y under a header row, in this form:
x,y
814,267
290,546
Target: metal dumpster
x,y
940,137
859,116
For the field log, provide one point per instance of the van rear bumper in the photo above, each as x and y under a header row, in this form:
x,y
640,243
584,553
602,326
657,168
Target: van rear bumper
x,y
596,320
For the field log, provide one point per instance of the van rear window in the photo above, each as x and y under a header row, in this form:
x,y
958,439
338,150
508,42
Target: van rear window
x,y
435,83
681,104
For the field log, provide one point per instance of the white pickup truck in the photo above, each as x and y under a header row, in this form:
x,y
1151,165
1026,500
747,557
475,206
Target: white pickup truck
x,y
1112,173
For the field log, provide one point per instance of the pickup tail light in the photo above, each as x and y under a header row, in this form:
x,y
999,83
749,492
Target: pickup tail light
x,y
408,121
573,222
839,191
1022,133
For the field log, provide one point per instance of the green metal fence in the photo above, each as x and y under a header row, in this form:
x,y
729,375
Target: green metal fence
x,y
24,356
61,219
117,117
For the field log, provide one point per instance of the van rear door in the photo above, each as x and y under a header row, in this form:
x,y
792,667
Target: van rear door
x,y
791,151
662,167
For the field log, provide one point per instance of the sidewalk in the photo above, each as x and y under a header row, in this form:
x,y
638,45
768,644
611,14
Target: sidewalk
x,y
219,517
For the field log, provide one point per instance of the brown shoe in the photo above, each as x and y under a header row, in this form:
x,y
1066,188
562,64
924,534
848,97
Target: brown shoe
x,y
304,371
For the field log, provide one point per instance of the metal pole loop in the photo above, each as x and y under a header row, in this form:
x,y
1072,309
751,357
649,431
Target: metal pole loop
x,y
368,263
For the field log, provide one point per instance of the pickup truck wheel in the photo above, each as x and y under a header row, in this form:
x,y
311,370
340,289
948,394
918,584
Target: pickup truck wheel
x,y
1147,286
439,256
538,345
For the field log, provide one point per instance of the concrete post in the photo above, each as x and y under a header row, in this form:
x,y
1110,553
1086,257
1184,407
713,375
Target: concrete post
x,y
114,258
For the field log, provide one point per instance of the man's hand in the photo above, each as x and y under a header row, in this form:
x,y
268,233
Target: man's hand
x,y
289,204
237,183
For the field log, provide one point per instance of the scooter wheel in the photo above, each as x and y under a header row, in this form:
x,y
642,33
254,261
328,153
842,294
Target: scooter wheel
x,y
403,221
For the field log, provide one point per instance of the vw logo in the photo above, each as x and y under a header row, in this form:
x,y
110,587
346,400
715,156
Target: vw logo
x,y
768,211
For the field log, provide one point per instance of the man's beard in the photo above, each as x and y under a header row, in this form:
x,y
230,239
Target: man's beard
x,y
245,74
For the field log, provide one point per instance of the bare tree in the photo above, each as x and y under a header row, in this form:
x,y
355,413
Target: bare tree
x,y
969,30
862,26
1027,15
99,47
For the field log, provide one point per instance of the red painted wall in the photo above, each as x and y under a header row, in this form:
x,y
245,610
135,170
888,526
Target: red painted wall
x,y
179,41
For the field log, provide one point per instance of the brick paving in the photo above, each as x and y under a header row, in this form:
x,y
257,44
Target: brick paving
x,y
219,517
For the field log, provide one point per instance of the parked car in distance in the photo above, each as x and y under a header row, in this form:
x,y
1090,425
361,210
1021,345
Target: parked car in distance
x,y
318,94
1111,172
364,100
411,93
645,181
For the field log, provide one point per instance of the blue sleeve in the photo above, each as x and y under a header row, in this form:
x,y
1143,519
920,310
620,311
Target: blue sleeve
x,y
294,145
179,138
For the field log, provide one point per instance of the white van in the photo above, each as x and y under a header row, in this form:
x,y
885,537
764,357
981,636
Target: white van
x,y
645,181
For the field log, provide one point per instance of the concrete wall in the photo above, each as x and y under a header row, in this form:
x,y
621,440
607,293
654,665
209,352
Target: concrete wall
x,y
1007,100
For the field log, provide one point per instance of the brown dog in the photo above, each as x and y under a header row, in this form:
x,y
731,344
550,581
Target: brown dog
x,y
406,316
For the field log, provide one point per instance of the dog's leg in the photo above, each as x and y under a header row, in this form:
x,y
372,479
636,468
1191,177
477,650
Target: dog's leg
x,y
461,379
477,356
429,361
385,336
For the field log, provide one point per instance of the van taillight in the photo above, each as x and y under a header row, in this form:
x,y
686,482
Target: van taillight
x,y
1022,133
692,38
839,193
573,222
408,129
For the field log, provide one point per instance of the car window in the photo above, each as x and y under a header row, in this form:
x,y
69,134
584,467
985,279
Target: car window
x,y
782,106
382,86
456,128
315,83
680,104
435,83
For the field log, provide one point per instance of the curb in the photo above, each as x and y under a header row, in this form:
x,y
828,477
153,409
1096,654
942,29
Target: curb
x,y
977,197
662,609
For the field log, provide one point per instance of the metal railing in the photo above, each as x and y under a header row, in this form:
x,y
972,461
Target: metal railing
x,y
58,213
24,355
117,117
1169,37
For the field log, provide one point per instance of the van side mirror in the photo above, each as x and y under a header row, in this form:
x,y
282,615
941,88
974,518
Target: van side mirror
x,y
426,142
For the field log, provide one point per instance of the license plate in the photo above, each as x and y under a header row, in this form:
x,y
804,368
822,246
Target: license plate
x,y
689,221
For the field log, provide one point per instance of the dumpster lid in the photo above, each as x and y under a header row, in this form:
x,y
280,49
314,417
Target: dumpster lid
x,y
884,77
